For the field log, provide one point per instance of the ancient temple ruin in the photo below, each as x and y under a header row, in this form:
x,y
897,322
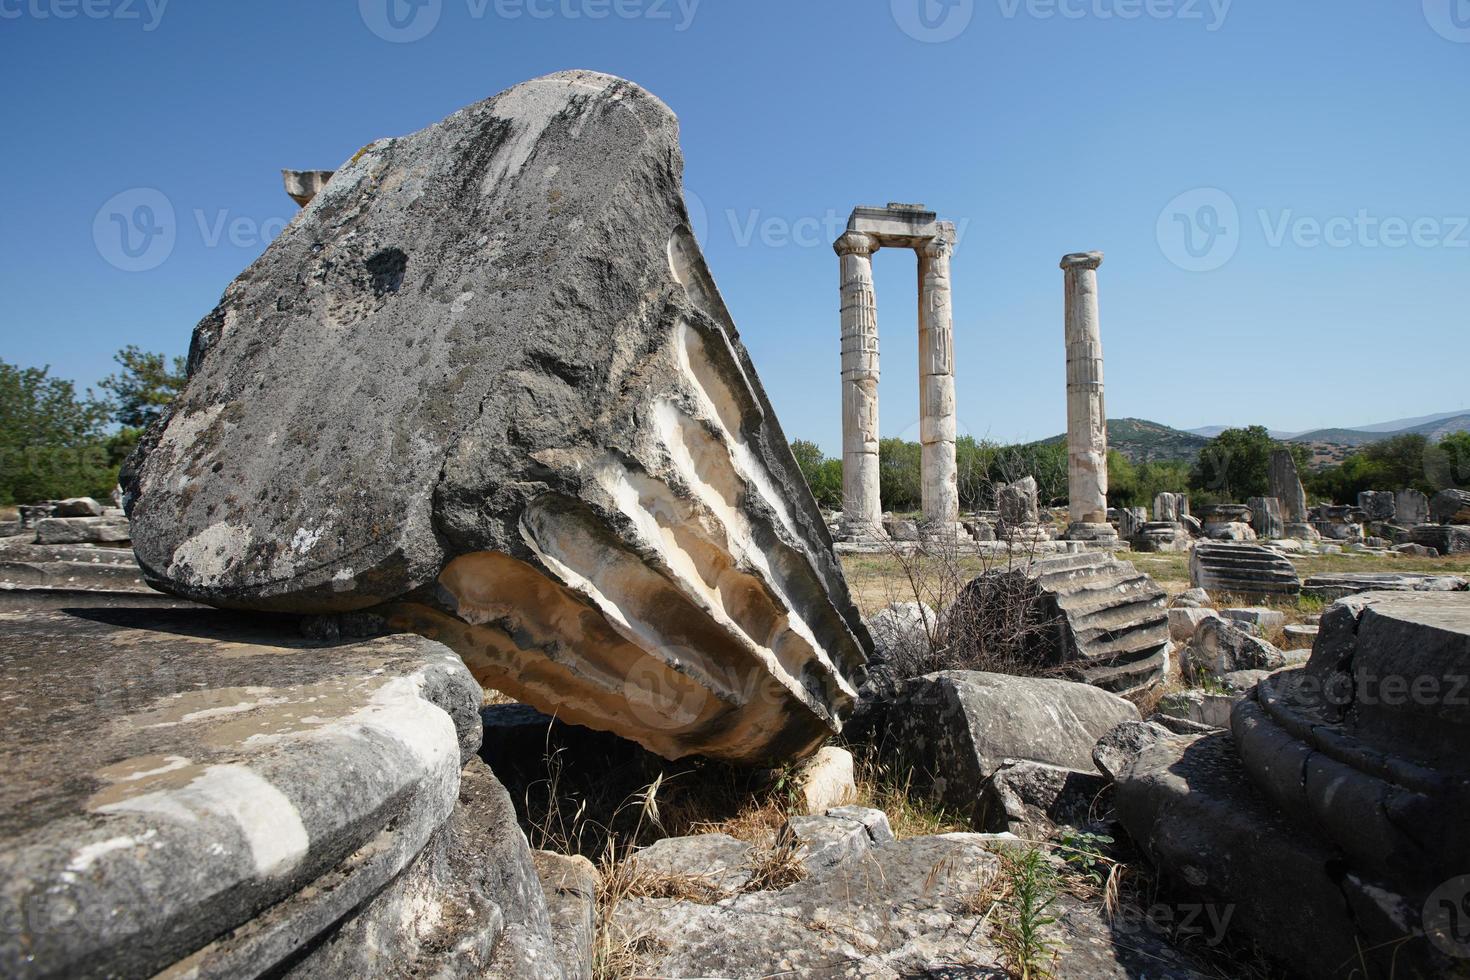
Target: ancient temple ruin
x,y
868,230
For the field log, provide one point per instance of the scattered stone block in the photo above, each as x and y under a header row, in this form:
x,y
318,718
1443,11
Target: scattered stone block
x,y
1378,505
1031,799
1242,569
1300,636
1191,599
1220,648
82,530
1184,622
1444,538
826,780
1339,585
571,884
78,507
1205,708
1410,508
1266,519
1416,551
1450,507
1260,618
958,727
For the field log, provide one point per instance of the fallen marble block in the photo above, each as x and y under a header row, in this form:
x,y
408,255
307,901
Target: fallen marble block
x,y
1341,584
203,793
1242,569
957,728
82,530
1450,507
1445,538
485,383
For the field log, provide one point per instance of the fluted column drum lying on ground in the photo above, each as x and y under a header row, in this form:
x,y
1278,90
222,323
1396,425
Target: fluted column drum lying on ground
x,y
860,373
485,383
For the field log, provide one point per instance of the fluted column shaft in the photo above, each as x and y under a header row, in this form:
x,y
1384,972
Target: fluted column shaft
x,y
861,504
941,497
1087,429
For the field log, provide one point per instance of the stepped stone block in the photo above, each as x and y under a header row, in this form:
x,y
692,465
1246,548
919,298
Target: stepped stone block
x,y
1100,618
485,383
1242,569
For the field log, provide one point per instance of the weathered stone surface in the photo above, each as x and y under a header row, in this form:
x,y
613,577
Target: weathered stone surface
x,y
1204,708
1195,598
1411,507
901,910
471,905
1337,585
1017,503
1171,507
486,376
1242,569
175,797
1416,551
1337,523
959,727
842,834
1116,750
1334,804
1184,622
1256,617
78,507
570,885
1031,799
826,780
1300,636
82,530
1450,507
1099,618
1220,647
1286,486
1266,517
1378,505
1444,538
719,861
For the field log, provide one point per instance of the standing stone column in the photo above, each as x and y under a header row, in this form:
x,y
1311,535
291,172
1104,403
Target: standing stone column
x,y
861,507
936,382
1087,419
1286,486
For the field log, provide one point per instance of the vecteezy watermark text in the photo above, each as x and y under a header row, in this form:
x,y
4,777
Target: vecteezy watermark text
x,y
148,12
404,21
1210,13
137,230
1201,230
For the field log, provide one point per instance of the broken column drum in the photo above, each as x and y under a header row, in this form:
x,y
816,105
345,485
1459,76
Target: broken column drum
x,y
1087,425
485,386
868,230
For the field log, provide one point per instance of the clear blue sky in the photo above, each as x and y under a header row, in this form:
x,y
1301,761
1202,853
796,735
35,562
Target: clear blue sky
x,y
1042,126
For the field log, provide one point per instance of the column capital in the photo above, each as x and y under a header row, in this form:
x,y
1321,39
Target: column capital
x,y
940,247
1082,260
855,243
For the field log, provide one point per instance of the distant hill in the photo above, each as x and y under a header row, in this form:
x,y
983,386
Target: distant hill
x,y
1143,441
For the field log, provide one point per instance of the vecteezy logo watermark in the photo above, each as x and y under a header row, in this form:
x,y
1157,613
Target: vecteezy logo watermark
x,y
402,21
1449,18
933,21
136,231
1199,231
1446,917
1211,13
148,12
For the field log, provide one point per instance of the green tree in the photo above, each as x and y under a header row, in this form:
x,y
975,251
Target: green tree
x,y
51,440
900,482
823,475
1447,463
1123,486
140,394
1233,466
